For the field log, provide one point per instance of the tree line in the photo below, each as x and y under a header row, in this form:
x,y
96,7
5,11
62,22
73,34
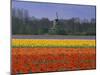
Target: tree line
x,y
22,23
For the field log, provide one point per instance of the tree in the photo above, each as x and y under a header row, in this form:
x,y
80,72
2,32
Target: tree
x,y
22,23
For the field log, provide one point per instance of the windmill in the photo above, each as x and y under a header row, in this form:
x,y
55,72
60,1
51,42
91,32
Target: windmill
x,y
55,22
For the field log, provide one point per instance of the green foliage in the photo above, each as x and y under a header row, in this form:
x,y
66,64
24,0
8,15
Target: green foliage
x,y
23,24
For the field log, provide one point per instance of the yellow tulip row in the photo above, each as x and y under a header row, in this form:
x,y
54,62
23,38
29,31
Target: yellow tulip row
x,y
52,43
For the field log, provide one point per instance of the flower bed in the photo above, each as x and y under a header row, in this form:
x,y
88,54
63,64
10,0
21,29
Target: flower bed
x,y
33,60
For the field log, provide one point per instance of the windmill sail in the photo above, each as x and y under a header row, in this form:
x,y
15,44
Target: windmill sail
x,y
56,16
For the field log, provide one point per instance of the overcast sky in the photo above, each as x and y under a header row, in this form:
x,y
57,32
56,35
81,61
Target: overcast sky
x,y
48,10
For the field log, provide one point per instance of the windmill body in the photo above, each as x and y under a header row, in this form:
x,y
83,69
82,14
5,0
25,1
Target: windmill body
x,y
55,22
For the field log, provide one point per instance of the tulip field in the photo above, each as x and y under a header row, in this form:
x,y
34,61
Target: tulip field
x,y
50,55
52,43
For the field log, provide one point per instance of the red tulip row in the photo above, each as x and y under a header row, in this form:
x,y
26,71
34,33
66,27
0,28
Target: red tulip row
x,y
34,60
